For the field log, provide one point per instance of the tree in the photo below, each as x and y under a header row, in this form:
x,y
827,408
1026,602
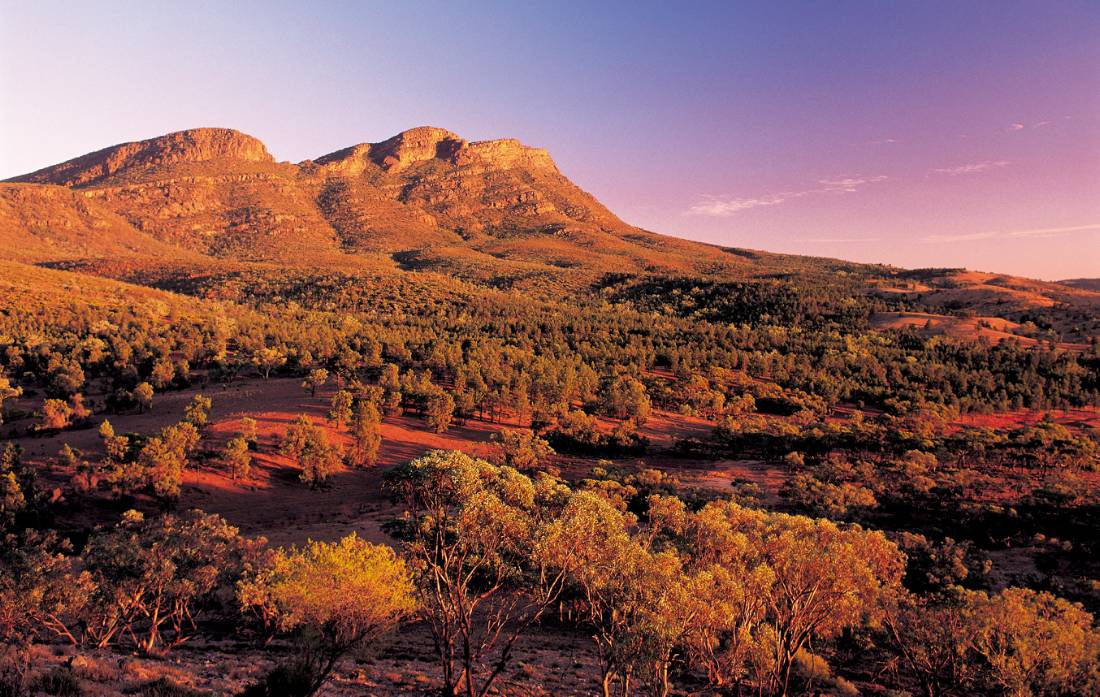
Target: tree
x,y
80,411
1036,643
826,579
521,449
1018,641
309,446
933,640
729,637
348,593
42,592
163,467
12,499
143,395
625,398
828,499
114,447
390,383
441,409
341,413
84,476
268,359
56,415
198,411
474,536
237,457
66,377
366,434
638,601
151,576
7,391
163,373
248,431
316,378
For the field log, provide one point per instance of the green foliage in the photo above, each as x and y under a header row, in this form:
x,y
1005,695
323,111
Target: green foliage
x,y
197,411
340,412
151,577
237,457
308,445
366,434
143,395
348,593
522,450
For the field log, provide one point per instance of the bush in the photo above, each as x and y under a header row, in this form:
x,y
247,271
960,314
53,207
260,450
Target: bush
x,y
338,596
59,682
163,687
295,678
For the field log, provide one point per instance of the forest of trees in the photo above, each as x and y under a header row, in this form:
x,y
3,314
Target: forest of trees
x,y
739,597
873,564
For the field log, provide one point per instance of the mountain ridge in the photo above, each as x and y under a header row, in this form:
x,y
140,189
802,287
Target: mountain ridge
x,y
219,192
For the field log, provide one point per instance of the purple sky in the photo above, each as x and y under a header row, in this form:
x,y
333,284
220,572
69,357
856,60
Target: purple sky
x,y
915,133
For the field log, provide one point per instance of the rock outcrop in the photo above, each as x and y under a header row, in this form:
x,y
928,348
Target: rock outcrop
x,y
195,145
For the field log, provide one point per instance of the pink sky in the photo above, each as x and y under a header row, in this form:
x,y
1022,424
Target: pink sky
x,y
927,133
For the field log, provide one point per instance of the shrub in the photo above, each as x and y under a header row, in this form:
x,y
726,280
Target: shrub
x,y
309,446
59,682
343,594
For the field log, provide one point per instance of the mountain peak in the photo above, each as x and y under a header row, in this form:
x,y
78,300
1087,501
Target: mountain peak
x,y
427,143
193,145
416,145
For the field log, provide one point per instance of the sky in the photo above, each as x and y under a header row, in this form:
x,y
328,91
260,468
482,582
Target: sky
x,y
913,133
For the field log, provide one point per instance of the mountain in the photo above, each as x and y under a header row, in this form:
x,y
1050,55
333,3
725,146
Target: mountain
x,y
424,196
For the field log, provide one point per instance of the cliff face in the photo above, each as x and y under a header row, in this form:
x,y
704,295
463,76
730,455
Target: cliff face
x,y
493,187
426,144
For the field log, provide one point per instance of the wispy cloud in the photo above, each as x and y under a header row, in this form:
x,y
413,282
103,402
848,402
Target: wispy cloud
x,y
1020,125
838,240
720,207
1053,231
962,237
849,184
971,168
884,141
1012,234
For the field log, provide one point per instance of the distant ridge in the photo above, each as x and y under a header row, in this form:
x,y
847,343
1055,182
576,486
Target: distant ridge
x,y
1084,283
193,145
